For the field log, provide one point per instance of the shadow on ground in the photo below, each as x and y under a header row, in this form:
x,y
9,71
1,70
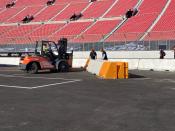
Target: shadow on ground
x,y
135,76
51,72
3,65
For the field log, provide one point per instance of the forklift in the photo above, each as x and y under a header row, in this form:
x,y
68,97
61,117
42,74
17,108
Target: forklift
x,y
48,56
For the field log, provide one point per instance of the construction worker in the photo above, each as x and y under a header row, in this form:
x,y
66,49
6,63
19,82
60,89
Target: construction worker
x,y
174,51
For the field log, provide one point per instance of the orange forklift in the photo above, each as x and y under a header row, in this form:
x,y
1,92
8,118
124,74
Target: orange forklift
x,y
48,56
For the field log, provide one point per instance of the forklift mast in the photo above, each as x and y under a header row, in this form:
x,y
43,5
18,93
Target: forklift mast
x,y
62,50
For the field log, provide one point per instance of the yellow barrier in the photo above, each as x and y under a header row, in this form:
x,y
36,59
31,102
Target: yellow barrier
x,y
114,70
122,70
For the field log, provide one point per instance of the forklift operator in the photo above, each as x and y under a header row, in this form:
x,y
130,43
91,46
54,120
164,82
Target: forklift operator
x,y
48,52
45,48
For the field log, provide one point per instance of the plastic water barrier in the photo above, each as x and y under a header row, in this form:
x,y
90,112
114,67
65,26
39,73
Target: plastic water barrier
x,y
108,69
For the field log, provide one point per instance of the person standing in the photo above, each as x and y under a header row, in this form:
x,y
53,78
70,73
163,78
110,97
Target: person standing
x,y
104,55
93,54
174,51
162,54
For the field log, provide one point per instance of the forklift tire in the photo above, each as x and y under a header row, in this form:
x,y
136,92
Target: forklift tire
x,y
33,68
63,67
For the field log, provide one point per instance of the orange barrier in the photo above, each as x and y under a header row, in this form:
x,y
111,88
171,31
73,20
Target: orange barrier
x,y
114,70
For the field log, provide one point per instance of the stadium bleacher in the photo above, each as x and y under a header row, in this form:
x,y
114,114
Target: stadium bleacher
x,y
96,9
31,10
71,30
96,32
99,19
121,7
8,13
25,3
165,25
49,12
3,3
70,10
137,25
45,30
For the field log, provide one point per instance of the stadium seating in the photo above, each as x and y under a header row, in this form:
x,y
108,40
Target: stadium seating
x,y
31,10
20,31
8,13
44,31
3,3
4,29
70,1
97,9
71,30
49,12
121,7
30,2
70,10
99,19
165,28
152,6
97,32
134,28
17,33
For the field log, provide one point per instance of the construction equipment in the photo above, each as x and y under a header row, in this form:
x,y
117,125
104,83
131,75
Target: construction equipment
x,y
48,55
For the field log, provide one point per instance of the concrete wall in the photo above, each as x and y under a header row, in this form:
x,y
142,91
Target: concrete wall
x,y
9,60
127,54
142,60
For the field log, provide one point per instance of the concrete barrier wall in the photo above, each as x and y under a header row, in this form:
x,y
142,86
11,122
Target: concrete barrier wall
x,y
9,60
143,64
94,66
79,63
127,54
142,60
157,64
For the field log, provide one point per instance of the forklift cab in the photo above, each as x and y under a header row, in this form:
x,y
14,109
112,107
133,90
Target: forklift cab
x,y
54,52
46,49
